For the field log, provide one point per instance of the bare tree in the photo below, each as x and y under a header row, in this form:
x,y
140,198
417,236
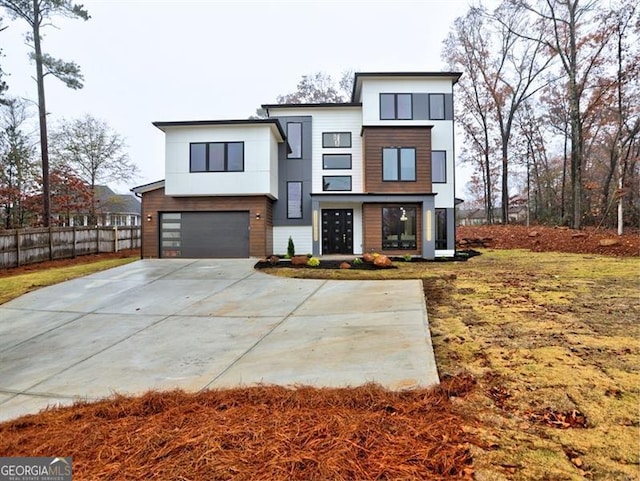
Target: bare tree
x,y
94,152
38,14
320,87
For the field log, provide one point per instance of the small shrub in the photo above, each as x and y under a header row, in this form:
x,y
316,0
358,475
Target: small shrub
x,y
375,254
357,261
309,256
287,256
407,257
291,248
313,262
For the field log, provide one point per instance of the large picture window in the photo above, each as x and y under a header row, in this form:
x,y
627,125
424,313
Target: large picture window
x,y
294,136
399,164
399,228
438,166
294,200
216,157
336,139
396,107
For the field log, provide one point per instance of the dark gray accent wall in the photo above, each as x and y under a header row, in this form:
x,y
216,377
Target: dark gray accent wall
x,y
451,228
294,170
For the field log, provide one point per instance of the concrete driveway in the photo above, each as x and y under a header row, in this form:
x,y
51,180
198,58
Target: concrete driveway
x,y
199,324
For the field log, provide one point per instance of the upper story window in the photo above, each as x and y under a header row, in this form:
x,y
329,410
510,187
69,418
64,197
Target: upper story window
x,y
438,166
294,136
336,161
336,182
399,164
436,106
396,107
336,139
216,157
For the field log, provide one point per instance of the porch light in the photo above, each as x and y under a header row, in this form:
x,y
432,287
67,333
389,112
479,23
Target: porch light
x,y
257,215
149,217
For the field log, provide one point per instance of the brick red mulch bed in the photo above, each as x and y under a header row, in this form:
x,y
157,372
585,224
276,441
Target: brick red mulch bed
x,y
258,433
550,239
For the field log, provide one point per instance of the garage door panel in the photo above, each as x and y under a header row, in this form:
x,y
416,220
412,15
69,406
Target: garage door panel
x,y
214,234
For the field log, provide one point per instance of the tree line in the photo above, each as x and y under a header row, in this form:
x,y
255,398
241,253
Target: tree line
x,y
549,108
84,152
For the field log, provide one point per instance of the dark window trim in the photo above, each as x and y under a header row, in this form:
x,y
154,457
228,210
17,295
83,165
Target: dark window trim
x,y
290,154
206,157
415,164
445,168
337,190
301,197
337,168
444,108
337,146
395,105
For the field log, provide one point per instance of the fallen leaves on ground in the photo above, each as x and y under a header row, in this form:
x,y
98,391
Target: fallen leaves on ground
x,y
264,432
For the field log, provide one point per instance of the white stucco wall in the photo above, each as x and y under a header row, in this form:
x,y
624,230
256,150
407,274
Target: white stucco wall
x,y
260,161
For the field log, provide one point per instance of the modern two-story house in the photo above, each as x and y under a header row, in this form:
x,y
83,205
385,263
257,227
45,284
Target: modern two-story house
x,y
373,174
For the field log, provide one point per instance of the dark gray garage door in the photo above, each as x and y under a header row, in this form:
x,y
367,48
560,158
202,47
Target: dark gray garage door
x,y
205,234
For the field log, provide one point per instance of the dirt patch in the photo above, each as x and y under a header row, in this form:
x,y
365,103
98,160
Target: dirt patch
x,y
16,271
257,433
550,239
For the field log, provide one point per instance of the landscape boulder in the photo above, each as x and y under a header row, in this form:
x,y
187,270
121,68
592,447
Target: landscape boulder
x,y
608,242
345,265
299,260
368,257
382,261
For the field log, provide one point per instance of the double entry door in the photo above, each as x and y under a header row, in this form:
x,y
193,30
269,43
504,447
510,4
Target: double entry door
x,y
337,231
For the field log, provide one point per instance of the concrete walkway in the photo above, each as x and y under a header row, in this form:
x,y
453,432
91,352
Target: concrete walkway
x,y
198,324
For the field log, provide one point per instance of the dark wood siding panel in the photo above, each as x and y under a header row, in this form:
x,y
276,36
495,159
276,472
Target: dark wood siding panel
x,y
372,230
260,230
374,139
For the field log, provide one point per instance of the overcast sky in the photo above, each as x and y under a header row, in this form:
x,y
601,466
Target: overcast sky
x,y
148,60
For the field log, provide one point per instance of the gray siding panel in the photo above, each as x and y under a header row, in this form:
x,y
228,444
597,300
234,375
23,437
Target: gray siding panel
x,y
294,170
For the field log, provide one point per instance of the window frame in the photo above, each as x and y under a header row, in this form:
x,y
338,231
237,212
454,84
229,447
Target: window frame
x,y
297,182
409,244
444,167
324,189
333,146
207,157
325,156
444,108
399,164
292,155
395,105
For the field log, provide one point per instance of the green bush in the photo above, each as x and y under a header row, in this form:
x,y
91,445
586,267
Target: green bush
x,y
357,261
313,262
407,257
291,249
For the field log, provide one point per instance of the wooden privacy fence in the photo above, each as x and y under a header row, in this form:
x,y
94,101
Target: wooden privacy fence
x,y
27,246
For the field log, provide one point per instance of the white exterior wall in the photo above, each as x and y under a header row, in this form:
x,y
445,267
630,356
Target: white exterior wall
x,y
337,119
260,161
301,235
442,135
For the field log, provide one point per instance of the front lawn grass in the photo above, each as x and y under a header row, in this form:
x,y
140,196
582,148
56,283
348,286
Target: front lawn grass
x,y
17,285
553,341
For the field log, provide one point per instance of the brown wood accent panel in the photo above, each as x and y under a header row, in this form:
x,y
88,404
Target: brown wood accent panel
x,y
372,229
260,230
373,141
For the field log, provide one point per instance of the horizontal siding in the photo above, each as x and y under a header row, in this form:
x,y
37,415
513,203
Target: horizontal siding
x,y
301,235
261,231
377,138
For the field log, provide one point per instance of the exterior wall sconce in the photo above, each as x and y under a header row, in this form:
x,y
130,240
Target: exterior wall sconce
x,y
257,215
149,217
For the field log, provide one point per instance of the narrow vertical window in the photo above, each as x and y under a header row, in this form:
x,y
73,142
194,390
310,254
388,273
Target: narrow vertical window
x,y
294,200
436,106
294,136
438,166
441,229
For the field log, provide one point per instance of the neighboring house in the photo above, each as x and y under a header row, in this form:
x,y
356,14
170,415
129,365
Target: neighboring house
x,y
517,215
111,210
374,174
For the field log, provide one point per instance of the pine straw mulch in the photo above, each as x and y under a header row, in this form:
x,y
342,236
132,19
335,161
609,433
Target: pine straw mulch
x,y
264,432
